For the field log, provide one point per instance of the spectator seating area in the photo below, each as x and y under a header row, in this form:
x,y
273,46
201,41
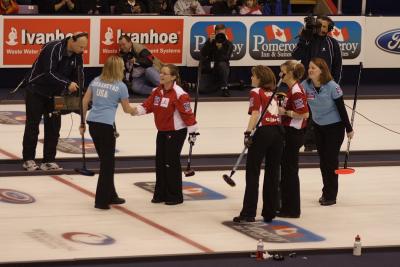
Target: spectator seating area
x,y
276,7
270,7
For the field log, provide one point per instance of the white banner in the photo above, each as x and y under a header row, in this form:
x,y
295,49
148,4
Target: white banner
x,y
382,42
257,39
271,40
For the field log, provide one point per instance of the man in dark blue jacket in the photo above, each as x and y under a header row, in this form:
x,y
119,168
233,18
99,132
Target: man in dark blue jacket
x,y
315,42
53,73
320,45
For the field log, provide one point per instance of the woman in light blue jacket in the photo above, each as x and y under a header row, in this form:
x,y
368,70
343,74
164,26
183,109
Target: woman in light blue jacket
x,y
325,99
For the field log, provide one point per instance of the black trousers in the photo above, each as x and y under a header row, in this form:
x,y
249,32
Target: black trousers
x,y
215,79
104,141
36,107
268,144
290,183
329,139
309,137
168,165
221,71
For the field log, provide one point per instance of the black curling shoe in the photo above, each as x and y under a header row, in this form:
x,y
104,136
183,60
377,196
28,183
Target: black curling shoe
x,y
240,219
117,201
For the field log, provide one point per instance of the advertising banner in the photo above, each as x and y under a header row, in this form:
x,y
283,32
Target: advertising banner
x,y
235,32
382,42
178,40
273,40
23,37
270,40
348,31
163,36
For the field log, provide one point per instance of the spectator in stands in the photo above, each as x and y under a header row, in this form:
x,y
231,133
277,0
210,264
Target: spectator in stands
x,y
276,7
130,7
55,7
8,7
208,2
228,7
188,7
92,7
250,7
141,75
152,6
167,7
24,2
218,51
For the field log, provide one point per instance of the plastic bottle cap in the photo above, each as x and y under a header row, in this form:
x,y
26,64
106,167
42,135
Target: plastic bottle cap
x,y
358,238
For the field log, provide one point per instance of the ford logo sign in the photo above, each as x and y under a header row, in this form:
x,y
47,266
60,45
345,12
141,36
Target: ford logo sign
x,y
389,41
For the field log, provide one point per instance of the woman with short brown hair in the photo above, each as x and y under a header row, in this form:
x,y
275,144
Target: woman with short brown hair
x,y
267,142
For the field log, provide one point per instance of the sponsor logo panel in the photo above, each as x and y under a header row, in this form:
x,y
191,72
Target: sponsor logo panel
x,y
348,35
163,37
275,232
273,40
389,41
235,32
24,38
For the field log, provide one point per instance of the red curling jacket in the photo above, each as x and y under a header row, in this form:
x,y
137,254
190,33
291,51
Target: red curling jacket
x,y
171,109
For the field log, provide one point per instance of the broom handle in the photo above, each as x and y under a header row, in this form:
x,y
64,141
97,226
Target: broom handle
x,y
81,85
346,158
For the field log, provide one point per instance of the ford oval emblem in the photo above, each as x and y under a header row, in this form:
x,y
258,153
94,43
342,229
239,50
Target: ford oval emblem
x,y
389,41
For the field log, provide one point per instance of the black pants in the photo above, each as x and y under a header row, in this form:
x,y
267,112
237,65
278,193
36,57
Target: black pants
x,y
268,143
36,107
215,79
309,137
329,139
168,165
290,184
104,141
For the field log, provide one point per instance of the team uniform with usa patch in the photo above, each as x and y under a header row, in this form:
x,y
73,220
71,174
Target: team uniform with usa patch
x,y
331,120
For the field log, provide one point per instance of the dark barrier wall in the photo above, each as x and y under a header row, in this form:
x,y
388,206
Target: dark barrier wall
x,y
10,77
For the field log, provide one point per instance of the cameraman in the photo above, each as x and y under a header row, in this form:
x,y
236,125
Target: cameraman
x,y
315,42
52,74
218,50
141,76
